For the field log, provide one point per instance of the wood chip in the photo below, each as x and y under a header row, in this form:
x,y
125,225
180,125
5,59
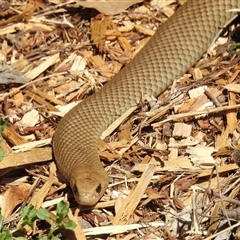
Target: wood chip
x,y
131,202
49,61
182,130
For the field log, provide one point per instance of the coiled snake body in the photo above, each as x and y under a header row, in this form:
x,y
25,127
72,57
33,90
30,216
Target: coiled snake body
x,y
174,48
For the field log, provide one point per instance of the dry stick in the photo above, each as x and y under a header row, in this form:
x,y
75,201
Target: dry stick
x,y
44,178
212,98
197,113
226,199
223,231
113,230
220,193
32,82
195,219
131,202
221,196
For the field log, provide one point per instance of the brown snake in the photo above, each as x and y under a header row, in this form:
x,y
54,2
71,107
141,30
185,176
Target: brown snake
x,y
175,47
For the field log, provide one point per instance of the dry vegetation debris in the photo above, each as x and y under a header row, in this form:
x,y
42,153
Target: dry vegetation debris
x,y
172,164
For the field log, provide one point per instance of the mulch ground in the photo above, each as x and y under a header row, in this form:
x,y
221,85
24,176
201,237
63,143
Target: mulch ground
x,y
173,164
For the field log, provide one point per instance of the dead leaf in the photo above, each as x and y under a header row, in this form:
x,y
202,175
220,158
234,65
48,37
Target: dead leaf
x,y
154,194
13,197
178,204
183,184
108,7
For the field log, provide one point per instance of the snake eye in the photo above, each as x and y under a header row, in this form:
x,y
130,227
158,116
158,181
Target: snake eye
x,y
74,188
99,188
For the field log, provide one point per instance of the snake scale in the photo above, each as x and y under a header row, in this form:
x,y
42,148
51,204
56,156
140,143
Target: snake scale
x,y
175,47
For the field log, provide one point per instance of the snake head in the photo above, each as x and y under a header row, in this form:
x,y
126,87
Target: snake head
x,y
89,186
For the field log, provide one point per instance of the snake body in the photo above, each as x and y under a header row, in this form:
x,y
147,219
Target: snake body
x,y
174,48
